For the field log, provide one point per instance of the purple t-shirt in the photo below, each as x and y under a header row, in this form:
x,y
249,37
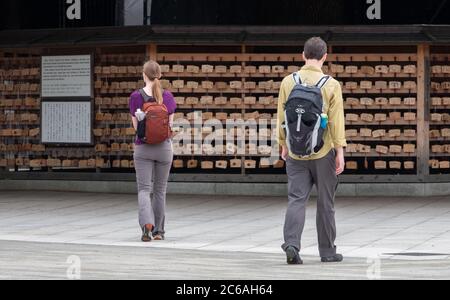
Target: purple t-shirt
x,y
136,101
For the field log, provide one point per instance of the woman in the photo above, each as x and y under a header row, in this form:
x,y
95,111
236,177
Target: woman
x,y
152,162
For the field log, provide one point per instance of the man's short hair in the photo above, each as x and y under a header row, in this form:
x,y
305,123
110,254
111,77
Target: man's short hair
x,y
315,48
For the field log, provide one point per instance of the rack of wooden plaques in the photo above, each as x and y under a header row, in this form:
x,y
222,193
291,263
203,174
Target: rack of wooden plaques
x,y
20,112
440,113
380,102
228,86
117,75
238,82
380,94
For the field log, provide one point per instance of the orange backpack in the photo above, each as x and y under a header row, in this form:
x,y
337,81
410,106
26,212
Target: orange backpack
x,y
157,127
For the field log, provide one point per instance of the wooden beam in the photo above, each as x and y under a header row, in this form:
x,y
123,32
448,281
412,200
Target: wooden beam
x,y
423,110
284,57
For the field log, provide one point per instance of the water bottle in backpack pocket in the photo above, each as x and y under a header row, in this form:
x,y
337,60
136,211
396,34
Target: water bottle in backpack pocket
x,y
141,129
305,122
141,118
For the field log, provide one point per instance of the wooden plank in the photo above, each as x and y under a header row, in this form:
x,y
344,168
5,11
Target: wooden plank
x,y
373,153
423,126
384,57
442,57
216,75
384,138
380,91
223,91
363,75
379,107
388,122
229,57
285,57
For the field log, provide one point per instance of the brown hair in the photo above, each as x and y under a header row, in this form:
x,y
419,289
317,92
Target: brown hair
x,y
315,48
152,70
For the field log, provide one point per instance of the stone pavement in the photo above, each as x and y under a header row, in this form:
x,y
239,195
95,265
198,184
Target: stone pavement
x,y
400,231
22,260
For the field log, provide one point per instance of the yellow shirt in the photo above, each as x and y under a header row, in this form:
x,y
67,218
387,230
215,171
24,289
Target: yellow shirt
x,y
334,136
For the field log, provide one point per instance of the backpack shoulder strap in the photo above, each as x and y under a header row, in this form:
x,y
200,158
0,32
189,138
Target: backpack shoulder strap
x,y
297,78
323,81
144,95
147,97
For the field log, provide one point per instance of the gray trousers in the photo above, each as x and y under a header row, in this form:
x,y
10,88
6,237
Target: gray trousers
x,y
152,164
302,175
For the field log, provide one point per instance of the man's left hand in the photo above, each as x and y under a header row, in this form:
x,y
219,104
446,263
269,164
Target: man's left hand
x,y
340,161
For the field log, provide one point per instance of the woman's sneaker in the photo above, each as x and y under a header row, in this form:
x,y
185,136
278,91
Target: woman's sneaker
x,y
158,237
147,233
292,256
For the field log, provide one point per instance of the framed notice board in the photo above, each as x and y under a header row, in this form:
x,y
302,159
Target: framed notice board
x,y
66,76
66,122
67,106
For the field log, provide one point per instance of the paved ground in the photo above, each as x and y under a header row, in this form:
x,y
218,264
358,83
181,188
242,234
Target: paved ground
x,y
221,238
53,261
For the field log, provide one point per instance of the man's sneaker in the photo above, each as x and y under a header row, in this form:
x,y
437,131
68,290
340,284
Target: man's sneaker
x,y
147,233
334,258
293,258
158,237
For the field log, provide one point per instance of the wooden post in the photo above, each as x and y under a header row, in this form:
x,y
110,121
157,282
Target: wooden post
x,y
423,110
329,63
243,79
152,52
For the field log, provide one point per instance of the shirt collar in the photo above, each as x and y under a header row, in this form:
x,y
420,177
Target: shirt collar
x,y
311,68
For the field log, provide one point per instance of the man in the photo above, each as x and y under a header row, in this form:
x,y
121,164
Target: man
x,y
320,168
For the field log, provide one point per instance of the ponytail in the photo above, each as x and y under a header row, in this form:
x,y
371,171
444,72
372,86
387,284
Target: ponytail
x,y
157,91
152,72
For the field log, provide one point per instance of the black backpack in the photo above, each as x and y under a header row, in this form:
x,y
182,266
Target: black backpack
x,y
302,111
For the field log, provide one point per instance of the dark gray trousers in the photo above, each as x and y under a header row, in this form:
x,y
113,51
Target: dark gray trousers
x,y
152,164
302,175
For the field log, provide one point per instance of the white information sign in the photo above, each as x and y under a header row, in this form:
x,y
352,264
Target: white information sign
x,y
66,122
66,76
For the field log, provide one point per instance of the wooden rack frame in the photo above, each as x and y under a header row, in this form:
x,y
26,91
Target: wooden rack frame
x,y
423,155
